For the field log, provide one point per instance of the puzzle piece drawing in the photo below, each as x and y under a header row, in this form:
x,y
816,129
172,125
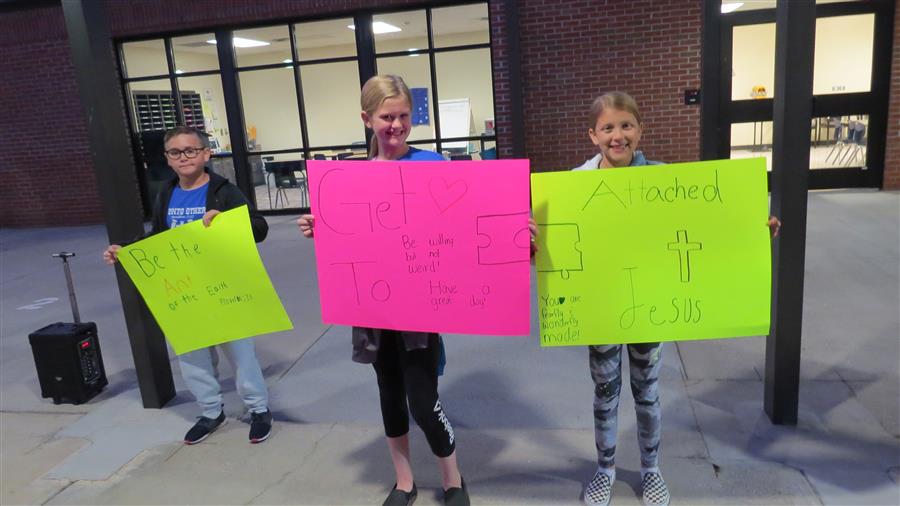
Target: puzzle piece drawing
x,y
565,256
503,238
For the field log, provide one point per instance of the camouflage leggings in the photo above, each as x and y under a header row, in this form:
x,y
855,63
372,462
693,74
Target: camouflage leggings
x,y
644,362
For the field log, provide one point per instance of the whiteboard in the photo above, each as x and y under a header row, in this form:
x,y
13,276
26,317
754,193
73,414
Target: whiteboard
x,y
456,121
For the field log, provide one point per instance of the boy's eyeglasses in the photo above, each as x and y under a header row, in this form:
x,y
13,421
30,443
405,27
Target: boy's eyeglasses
x,y
175,154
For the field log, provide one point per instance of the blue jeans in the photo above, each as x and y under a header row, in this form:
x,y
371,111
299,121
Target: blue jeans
x,y
199,368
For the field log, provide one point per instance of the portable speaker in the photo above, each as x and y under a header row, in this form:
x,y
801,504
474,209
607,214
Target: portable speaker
x,y
67,355
68,361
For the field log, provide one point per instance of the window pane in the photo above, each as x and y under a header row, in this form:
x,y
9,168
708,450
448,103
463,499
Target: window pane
x,y
204,108
839,141
466,98
154,109
416,72
357,151
194,53
325,39
145,58
751,140
277,46
456,26
271,114
223,166
487,150
331,99
751,5
844,49
283,181
753,57
412,34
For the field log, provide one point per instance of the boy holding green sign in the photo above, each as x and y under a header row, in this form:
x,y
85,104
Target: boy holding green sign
x,y
197,194
615,128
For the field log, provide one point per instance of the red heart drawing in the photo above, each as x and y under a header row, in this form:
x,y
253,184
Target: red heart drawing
x,y
445,195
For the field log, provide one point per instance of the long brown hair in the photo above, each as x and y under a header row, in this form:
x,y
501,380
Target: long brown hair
x,y
376,90
617,100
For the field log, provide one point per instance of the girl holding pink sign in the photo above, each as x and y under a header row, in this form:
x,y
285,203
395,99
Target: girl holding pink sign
x,y
406,363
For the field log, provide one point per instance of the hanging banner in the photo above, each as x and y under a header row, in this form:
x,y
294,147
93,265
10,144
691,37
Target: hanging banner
x,y
653,253
206,285
423,246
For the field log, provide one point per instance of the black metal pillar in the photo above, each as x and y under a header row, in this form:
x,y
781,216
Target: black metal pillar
x,y
237,132
514,57
365,57
795,31
101,100
710,84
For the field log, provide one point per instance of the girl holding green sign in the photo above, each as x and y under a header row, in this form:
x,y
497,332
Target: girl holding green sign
x,y
615,127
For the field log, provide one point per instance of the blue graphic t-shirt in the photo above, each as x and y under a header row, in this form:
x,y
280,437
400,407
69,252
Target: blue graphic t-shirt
x,y
186,206
421,155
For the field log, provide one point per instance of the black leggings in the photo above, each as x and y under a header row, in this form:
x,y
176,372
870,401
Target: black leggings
x,y
412,374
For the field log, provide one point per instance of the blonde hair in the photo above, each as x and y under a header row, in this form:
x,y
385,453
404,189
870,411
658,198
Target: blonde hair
x,y
376,90
618,100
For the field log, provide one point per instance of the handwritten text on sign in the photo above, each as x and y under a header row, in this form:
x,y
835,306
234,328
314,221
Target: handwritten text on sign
x,y
205,286
423,246
653,253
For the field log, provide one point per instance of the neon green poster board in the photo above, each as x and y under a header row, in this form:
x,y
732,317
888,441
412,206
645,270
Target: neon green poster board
x,y
206,285
653,253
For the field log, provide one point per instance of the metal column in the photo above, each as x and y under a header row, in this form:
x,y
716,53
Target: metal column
x,y
795,30
101,100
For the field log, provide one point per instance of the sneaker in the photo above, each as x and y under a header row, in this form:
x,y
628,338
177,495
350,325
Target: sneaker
x,y
599,490
401,498
260,426
655,492
203,428
457,496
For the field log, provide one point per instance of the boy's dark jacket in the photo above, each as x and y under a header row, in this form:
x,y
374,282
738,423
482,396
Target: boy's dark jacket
x,y
221,196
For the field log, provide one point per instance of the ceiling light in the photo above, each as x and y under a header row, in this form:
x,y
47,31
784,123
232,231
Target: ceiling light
x,y
731,7
242,42
379,27
179,71
287,61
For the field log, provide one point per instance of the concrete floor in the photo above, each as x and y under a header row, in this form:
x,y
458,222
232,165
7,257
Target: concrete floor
x,y
522,414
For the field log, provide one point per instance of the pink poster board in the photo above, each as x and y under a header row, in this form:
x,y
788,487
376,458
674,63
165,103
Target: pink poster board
x,y
423,246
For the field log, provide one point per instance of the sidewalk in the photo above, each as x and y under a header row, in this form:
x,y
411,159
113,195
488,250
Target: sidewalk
x,y
522,414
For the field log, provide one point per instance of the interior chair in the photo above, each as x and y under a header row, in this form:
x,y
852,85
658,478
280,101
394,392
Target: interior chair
x,y
840,142
857,147
285,175
460,157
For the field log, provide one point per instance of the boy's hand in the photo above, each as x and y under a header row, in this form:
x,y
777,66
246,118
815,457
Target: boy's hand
x,y
774,225
306,224
209,215
533,228
111,255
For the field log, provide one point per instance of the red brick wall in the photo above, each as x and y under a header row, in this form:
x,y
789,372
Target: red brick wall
x,y
892,151
647,48
45,165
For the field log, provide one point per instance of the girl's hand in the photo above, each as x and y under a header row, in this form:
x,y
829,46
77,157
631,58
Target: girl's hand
x,y
774,225
306,224
209,215
111,255
533,228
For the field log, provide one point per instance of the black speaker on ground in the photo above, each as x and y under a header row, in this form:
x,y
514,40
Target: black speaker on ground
x,y
68,361
67,355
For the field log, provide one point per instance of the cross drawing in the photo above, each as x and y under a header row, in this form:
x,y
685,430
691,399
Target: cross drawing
x,y
683,247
